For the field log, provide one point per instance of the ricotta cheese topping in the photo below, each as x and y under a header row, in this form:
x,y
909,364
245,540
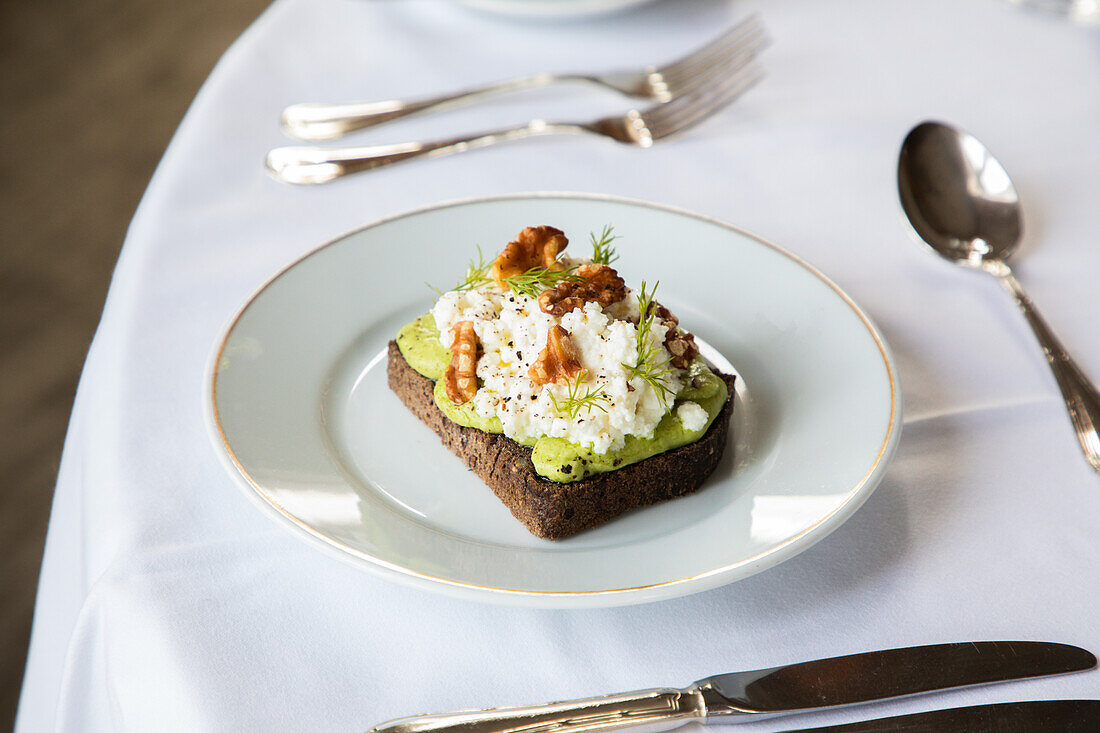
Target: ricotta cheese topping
x,y
512,330
692,416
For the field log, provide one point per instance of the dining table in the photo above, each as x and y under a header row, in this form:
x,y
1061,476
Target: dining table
x,y
168,602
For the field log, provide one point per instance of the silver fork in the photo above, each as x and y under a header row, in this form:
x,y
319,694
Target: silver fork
x,y
319,165
663,84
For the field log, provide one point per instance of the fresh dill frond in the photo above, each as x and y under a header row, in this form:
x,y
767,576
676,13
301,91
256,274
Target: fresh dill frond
x,y
652,376
572,404
530,283
645,315
649,365
537,279
602,251
477,273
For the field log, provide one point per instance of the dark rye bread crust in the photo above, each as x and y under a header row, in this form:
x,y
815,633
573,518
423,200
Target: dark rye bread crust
x,y
549,509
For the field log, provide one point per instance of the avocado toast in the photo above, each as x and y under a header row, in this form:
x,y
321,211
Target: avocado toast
x,y
574,397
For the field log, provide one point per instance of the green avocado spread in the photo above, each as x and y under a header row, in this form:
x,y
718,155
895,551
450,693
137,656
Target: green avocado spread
x,y
419,344
556,458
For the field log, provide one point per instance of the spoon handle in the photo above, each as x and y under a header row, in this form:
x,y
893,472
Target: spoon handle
x,y
1080,395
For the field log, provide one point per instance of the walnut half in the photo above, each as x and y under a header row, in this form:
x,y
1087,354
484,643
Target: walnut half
x,y
460,378
533,247
559,362
600,284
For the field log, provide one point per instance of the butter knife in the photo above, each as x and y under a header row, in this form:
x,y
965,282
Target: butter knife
x,y
1056,716
742,696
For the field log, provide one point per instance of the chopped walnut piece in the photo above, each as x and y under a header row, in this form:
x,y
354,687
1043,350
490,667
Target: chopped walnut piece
x,y
559,362
600,284
664,315
460,378
680,344
533,247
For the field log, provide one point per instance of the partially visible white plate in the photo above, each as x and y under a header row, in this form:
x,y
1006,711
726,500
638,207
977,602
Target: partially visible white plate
x,y
553,8
299,409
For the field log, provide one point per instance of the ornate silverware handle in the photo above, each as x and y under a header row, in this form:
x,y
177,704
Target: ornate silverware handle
x,y
299,164
1080,395
656,710
327,121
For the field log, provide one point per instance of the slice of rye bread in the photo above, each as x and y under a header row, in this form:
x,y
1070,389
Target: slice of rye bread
x,y
549,509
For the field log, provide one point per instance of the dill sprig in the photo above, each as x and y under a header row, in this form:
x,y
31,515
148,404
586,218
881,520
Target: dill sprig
x,y
649,365
645,316
537,279
572,404
530,283
477,273
602,251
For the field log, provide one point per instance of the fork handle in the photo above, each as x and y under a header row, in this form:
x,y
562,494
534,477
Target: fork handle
x,y
320,165
1081,398
326,121
656,710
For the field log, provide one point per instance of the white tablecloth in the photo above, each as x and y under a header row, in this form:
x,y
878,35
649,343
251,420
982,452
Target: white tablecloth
x,y
168,602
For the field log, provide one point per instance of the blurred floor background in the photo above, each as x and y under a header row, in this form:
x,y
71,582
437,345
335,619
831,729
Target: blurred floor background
x,y
92,90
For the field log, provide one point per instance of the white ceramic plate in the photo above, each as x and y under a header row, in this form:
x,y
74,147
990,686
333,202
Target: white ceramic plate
x,y
553,8
299,408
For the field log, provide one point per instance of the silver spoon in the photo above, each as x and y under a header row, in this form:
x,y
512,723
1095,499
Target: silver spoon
x,y
961,202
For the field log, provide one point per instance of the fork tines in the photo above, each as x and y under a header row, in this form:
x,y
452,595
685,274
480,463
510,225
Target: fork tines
x,y
694,107
717,85
698,67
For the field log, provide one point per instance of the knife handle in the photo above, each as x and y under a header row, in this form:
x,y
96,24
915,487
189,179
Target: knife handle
x,y
657,709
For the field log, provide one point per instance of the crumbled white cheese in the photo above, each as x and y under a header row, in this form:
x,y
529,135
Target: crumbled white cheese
x,y
692,416
512,331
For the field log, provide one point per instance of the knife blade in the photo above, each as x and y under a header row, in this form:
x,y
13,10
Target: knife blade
x,y
858,678
1063,716
738,696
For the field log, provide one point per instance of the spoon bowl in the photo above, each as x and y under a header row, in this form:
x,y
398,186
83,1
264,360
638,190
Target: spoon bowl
x,y
961,203
958,197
